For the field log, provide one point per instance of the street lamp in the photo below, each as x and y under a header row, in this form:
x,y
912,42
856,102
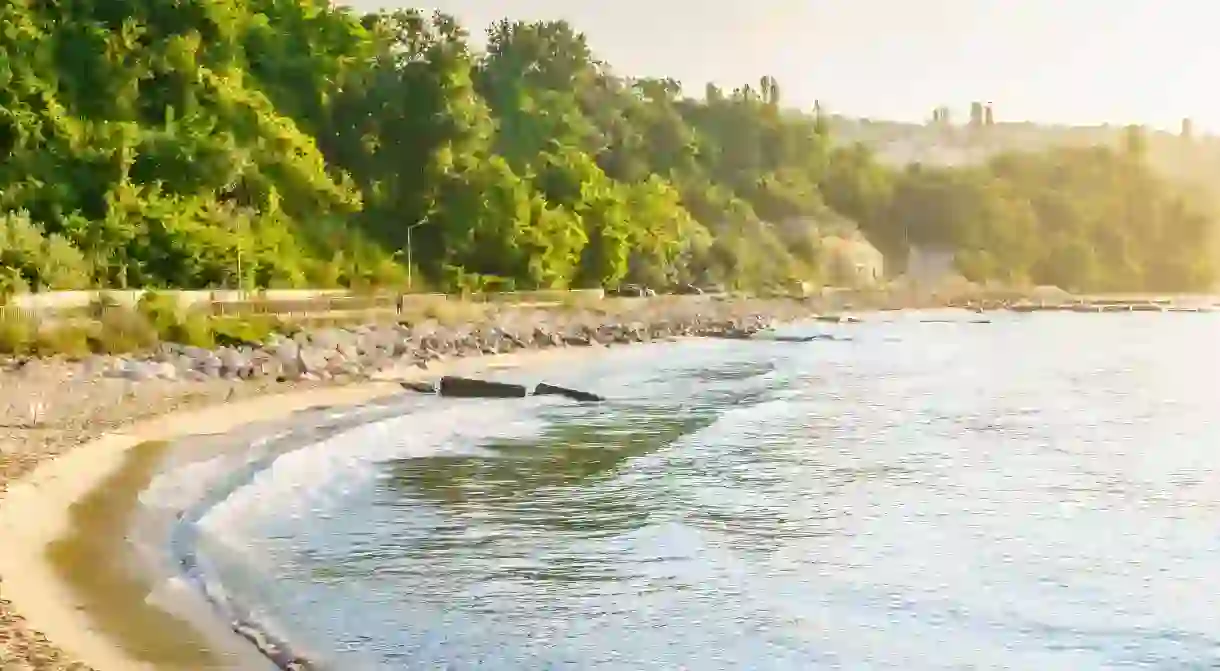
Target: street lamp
x,y
410,261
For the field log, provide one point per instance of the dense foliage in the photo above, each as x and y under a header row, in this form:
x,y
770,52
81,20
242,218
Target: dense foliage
x,y
287,143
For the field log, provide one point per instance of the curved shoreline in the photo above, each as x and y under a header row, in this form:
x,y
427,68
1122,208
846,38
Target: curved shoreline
x,y
36,510
298,433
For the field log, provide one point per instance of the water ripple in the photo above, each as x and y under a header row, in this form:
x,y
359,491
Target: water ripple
x,y
1036,493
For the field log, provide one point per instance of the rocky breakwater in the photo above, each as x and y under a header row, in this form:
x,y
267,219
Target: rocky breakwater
x,y
368,351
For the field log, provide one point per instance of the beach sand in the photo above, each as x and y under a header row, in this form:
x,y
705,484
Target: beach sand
x,y
47,518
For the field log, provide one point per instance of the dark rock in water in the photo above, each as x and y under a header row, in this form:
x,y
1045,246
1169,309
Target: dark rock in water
x,y
544,389
838,319
731,334
421,387
470,388
809,338
278,654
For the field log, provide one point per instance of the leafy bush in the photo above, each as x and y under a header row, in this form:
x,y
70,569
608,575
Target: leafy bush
x,y
32,259
121,331
193,329
251,330
71,340
160,309
16,332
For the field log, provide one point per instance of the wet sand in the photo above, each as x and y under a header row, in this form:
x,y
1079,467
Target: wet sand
x,y
98,568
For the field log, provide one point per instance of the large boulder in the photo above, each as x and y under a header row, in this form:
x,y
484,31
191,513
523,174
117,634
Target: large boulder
x,y
463,387
421,387
544,389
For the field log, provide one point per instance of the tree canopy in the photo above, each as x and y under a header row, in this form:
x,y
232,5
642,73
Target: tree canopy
x,y
211,143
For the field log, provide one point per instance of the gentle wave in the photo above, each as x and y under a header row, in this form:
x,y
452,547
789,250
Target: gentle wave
x,y
294,474
1034,493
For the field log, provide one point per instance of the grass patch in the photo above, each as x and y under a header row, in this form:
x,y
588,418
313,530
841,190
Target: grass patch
x,y
251,330
70,340
195,330
17,332
122,330
444,311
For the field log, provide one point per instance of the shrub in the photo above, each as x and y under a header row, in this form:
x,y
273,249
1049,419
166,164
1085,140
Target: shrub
x,y
16,332
104,301
121,331
71,340
36,259
193,329
252,330
161,310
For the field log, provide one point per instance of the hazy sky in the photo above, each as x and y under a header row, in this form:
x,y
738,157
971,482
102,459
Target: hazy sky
x,y
1071,61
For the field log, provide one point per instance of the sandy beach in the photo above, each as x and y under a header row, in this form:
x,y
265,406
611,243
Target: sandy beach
x,y
62,458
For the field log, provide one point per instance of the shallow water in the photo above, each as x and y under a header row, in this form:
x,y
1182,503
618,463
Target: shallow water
x,y
1040,492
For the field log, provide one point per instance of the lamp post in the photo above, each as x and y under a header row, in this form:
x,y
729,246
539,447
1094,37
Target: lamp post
x,y
410,260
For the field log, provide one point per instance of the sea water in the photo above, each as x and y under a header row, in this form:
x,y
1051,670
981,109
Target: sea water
x,y
1037,492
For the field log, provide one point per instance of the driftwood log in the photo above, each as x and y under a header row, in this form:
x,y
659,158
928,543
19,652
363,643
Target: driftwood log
x,y
464,387
544,389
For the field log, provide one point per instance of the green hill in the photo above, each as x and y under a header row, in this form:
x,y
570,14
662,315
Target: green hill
x,y
281,143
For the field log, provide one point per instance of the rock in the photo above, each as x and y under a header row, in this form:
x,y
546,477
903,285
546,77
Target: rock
x,y
470,388
312,360
267,367
137,370
285,350
349,350
207,363
351,369
730,334
544,389
808,338
233,362
421,387
331,338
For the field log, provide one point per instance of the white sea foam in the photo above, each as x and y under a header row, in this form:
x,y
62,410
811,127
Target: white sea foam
x,y
185,485
316,479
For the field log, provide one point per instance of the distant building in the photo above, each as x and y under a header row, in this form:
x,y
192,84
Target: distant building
x,y
976,114
1188,129
988,116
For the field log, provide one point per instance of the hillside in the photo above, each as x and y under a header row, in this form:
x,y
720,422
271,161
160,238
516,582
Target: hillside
x,y
290,143
1194,160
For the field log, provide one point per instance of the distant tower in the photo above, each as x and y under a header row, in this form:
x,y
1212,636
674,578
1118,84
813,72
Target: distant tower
x,y
1135,141
976,114
819,119
988,116
1188,129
